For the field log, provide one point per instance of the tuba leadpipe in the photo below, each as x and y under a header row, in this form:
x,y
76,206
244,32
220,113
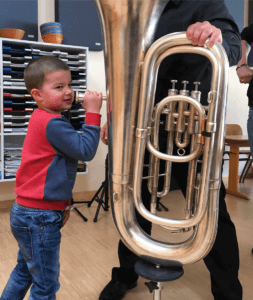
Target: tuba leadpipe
x,y
78,97
132,64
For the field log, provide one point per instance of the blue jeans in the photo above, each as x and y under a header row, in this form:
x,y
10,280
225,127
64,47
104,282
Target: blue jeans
x,y
250,129
38,235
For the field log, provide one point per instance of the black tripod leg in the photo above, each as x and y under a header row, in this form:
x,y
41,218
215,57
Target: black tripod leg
x,y
83,217
100,202
96,195
164,207
80,214
104,188
106,185
106,198
97,212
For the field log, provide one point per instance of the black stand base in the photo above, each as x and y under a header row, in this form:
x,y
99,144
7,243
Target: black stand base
x,y
150,271
80,214
157,275
160,204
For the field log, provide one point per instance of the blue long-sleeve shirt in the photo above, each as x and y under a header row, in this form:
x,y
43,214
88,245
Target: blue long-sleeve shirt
x,y
50,155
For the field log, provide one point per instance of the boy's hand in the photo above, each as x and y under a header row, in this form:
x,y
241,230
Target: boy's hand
x,y
104,135
92,102
66,215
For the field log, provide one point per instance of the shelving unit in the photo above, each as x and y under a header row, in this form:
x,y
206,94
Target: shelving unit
x,y
16,103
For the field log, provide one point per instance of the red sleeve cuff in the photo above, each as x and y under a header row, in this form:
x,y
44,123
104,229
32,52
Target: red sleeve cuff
x,y
92,119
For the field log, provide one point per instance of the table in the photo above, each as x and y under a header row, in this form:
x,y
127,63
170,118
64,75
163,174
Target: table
x,y
235,142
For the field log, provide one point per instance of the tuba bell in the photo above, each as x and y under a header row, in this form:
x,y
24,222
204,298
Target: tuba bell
x,y
132,61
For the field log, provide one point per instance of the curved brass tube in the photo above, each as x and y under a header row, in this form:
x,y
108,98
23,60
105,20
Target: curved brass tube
x,y
132,64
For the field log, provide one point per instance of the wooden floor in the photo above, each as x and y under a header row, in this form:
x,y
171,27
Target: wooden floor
x,y
89,251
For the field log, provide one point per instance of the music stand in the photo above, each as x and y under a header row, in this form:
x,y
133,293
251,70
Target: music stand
x,y
104,194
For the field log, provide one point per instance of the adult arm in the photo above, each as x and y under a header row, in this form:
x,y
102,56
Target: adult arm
x,y
216,13
243,71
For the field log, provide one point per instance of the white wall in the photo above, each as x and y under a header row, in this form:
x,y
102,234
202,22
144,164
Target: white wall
x,y
237,108
46,13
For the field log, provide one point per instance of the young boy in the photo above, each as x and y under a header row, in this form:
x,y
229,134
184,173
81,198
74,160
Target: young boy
x,y
46,177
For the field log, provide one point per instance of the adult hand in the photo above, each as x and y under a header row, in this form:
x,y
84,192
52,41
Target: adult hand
x,y
104,134
198,33
245,74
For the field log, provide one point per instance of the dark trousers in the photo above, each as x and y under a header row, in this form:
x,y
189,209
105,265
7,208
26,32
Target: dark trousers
x,y
223,259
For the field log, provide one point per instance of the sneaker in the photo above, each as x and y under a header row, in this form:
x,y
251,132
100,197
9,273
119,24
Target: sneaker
x,y
115,289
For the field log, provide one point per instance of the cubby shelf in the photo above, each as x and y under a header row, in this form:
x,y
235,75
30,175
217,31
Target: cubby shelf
x,y
17,105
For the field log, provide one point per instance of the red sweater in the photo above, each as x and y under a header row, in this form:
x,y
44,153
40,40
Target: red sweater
x,y
50,155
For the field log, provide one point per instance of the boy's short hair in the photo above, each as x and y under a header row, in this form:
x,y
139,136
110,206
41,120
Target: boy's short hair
x,y
35,72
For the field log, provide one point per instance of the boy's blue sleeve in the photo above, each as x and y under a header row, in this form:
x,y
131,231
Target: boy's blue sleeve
x,y
66,141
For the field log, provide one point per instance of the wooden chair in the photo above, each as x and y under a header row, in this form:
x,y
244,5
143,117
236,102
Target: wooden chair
x,y
235,129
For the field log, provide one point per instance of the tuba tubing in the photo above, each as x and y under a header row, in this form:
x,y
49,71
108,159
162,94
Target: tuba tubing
x,y
206,216
132,64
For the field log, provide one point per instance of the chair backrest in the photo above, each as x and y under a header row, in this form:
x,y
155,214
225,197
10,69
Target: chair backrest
x,y
233,129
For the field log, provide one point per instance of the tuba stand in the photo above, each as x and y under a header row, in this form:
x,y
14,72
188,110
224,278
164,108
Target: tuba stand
x,y
157,275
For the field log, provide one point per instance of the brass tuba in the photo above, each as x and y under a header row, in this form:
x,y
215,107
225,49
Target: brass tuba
x,y
132,63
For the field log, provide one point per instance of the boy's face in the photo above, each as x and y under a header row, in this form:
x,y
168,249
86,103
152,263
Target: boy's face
x,y
56,93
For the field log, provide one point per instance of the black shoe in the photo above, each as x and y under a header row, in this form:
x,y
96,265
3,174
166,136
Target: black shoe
x,y
115,289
